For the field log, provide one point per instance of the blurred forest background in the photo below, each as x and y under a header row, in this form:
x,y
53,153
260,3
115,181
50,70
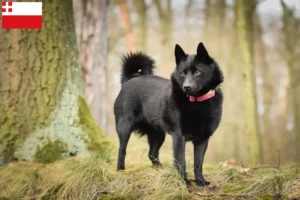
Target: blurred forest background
x,y
256,43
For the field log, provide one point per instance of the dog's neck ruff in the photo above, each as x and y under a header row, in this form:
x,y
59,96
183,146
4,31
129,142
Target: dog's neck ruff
x,y
208,95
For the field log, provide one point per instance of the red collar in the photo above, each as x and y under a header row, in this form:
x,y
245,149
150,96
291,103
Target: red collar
x,y
208,95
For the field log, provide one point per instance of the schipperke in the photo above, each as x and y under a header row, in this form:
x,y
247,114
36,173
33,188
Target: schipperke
x,y
189,106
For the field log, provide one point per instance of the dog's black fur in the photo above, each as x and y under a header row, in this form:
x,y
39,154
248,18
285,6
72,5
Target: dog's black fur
x,y
153,105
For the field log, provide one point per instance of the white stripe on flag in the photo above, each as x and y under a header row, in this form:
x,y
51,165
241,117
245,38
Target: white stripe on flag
x,y
24,8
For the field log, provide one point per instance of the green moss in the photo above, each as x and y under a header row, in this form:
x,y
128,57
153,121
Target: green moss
x,y
50,152
232,188
113,197
271,197
4,198
98,142
265,197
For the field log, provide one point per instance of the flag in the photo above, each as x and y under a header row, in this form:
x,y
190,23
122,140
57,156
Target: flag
x,y
22,15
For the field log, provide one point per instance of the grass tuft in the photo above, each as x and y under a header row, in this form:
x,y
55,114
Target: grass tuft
x,y
224,175
89,178
92,178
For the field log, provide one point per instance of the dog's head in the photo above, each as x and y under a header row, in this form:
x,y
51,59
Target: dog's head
x,y
196,74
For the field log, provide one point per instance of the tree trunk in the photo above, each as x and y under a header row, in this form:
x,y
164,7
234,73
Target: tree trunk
x,y
166,32
141,10
187,25
208,20
291,26
207,14
220,7
166,23
126,23
244,15
44,115
264,90
94,56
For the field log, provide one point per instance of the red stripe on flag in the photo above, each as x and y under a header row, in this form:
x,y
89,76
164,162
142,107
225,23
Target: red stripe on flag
x,y
22,22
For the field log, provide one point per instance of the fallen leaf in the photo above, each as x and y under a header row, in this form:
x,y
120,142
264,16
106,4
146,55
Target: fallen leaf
x,y
202,193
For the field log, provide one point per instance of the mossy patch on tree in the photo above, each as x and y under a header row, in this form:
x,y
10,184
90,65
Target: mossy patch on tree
x,y
50,152
98,142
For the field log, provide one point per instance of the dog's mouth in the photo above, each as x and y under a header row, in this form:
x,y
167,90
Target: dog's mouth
x,y
191,92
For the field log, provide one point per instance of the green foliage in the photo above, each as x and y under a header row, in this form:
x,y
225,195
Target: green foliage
x,y
50,152
98,142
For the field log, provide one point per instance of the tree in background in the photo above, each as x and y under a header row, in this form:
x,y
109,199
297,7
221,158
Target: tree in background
x,y
291,28
93,46
265,89
142,21
165,16
44,115
207,15
166,24
220,7
126,23
187,16
244,20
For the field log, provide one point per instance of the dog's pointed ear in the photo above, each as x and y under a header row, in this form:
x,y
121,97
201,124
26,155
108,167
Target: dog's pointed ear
x,y
201,51
179,53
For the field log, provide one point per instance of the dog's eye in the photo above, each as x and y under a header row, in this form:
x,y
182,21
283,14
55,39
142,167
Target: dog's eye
x,y
197,73
182,74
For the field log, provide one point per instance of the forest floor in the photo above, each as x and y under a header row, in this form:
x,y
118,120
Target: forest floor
x,y
81,178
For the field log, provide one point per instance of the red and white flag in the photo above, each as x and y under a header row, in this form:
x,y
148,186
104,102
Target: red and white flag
x,y
22,15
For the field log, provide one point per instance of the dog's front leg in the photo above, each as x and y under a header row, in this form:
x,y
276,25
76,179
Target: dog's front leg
x,y
179,154
199,152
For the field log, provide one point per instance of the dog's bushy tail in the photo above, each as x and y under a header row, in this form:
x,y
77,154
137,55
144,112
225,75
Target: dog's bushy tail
x,y
136,64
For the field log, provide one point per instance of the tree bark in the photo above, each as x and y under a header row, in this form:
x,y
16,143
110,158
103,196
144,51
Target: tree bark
x,y
44,115
93,45
244,15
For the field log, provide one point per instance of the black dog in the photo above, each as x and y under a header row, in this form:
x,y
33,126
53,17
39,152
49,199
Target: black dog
x,y
189,107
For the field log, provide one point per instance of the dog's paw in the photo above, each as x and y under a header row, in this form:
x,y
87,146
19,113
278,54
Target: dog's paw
x,y
187,182
157,164
120,168
202,182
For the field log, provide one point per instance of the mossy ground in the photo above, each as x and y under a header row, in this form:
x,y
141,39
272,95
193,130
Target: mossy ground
x,y
94,178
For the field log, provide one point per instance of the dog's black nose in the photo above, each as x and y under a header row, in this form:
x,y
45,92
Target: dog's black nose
x,y
187,88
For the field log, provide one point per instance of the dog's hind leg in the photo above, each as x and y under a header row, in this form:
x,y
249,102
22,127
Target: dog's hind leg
x,y
124,131
155,139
